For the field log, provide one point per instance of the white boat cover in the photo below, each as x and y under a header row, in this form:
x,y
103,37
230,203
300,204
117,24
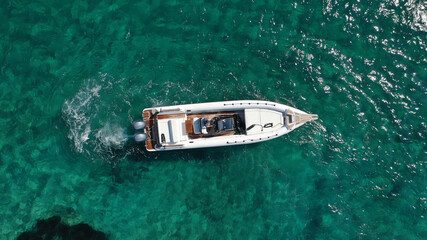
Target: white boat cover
x,y
173,130
261,117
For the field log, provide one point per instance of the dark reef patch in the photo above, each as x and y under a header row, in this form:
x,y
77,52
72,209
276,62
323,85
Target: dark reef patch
x,y
53,228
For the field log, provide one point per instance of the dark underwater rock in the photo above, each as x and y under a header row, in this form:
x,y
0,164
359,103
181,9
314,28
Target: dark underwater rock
x,y
53,228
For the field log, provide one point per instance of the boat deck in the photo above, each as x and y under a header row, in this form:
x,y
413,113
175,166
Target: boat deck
x,y
209,116
152,131
299,118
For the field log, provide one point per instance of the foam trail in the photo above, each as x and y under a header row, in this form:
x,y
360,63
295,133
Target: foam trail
x,y
78,113
111,136
94,128
129,136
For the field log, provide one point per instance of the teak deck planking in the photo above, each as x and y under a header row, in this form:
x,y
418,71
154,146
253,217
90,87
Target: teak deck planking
x,y
150,121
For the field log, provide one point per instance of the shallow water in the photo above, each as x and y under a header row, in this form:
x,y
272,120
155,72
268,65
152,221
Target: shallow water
x,y
74,75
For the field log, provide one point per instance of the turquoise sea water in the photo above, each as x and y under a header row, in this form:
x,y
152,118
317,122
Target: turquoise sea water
x,y
74,75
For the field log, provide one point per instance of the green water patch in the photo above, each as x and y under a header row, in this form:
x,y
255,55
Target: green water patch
x,y
75,75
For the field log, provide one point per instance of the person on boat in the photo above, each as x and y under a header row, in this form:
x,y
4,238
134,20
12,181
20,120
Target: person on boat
x,y
205,125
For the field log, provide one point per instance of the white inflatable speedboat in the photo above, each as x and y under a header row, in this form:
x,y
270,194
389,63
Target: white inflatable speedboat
x,y
217,124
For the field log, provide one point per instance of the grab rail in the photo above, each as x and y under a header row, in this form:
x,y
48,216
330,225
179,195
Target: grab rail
x,y
253,140
249,103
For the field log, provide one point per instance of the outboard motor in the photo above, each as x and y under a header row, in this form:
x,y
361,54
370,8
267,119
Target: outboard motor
x,y
140,137
138,125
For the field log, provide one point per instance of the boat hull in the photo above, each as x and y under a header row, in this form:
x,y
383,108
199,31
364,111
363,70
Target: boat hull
x,y
263,120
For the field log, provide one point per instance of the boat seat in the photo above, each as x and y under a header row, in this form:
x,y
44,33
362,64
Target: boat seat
x,y
173,131
220,124
196,125
225,124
